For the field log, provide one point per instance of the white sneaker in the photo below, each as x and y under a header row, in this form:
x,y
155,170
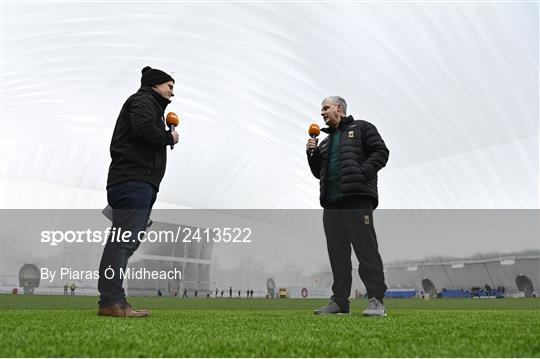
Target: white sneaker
x,y
375,308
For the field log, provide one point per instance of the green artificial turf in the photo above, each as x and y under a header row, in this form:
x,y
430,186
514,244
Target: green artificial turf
x,y
57,326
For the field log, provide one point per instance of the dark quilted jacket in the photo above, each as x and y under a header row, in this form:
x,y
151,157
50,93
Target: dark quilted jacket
x,y
362,154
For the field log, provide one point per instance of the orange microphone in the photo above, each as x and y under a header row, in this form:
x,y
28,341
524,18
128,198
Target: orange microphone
x,y
314,131
172,121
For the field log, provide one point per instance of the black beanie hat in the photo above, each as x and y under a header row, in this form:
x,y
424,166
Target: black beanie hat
x,y
151,77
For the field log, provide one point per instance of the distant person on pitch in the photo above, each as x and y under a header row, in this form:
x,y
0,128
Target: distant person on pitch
x,y
347,162
139,158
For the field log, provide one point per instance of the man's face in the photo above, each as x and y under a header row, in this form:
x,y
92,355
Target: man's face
x,y
331,113
165,89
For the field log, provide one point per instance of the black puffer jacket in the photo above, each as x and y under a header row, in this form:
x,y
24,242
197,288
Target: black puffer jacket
x,y
138,146
362,154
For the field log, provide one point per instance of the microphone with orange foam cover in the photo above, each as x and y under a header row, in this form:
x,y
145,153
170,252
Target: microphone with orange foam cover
x,y
314,131
172,121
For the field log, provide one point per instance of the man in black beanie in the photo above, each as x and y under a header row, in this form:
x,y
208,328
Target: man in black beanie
x,y
139,157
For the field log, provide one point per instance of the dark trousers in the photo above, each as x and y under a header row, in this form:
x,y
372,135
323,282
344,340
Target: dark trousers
x,y
349,223
132,203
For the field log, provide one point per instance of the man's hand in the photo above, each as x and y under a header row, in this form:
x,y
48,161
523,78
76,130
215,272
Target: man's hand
x,y
175,137
312,144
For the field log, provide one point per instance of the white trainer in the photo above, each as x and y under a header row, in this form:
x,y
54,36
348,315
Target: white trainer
x,y
375,308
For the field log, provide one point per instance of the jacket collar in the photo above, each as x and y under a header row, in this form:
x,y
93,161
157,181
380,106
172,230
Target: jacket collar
x,y
162,101
345,121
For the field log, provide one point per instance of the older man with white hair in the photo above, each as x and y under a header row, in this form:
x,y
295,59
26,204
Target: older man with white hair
x,y
346,163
